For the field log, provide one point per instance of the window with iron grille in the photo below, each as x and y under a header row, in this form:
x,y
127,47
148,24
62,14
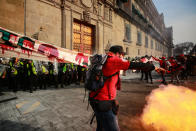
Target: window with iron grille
x,y
146,41
127,7
138,51
110,15
156,46
152,44
127,51
106,13
99,9
127,33
139,38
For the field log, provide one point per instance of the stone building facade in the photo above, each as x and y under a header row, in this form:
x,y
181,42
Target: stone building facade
x,y
9,19
91,26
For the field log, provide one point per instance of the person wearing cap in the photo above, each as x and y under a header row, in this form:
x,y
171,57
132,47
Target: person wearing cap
x,y
163,65
103,101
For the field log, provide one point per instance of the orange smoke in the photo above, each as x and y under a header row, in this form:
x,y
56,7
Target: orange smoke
x,y
170,108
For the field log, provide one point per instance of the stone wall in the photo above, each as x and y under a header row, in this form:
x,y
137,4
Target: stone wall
x,y
12,15
46,16
44,19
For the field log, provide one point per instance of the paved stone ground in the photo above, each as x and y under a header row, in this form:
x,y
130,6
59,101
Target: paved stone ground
x,y
52,109
63,109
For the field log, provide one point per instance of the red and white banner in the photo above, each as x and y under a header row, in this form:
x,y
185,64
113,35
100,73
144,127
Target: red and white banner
x,y
16,45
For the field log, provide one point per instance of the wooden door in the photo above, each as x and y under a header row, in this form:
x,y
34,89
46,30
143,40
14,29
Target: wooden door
x,y
82,38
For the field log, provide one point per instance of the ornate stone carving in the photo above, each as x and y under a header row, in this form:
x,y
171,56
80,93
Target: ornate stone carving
x,y
87,3
63,4
108,46
86,16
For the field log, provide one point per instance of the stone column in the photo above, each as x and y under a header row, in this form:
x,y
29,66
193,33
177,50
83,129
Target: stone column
x,y
63,20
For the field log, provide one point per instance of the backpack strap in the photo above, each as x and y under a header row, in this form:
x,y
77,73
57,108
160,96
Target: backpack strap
x,y
105,78
110,80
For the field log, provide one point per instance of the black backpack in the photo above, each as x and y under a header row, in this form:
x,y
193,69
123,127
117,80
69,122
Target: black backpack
x,y
94,76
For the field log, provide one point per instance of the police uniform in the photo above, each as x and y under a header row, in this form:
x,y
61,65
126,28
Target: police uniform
x,y
44,76
13,76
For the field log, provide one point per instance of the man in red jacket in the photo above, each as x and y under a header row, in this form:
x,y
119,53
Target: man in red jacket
x,y
103,100
163,65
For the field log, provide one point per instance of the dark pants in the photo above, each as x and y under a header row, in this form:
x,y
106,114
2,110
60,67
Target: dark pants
x,y
35,81
22,82
43,81
52,80
143,73
163,77
84,76
75,76
150,75
13,83
61,78
184,74
28,84
106,121
79,76
69,77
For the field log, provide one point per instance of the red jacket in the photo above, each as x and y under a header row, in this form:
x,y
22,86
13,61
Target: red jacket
x,y
175,65
161,62
113,64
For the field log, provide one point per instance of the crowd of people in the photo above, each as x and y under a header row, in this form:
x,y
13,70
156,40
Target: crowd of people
x,y
25,74
29,75
179,67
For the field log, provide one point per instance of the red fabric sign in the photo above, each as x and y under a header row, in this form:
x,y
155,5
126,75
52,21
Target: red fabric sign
x,y
79,58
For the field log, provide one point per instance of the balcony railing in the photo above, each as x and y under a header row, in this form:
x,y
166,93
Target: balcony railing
x,y
126,7
137,12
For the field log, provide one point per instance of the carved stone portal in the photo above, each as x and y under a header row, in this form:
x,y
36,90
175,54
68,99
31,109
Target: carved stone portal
x,y
86,16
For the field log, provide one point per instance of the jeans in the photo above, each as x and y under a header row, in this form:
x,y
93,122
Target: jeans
x,y
106,121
